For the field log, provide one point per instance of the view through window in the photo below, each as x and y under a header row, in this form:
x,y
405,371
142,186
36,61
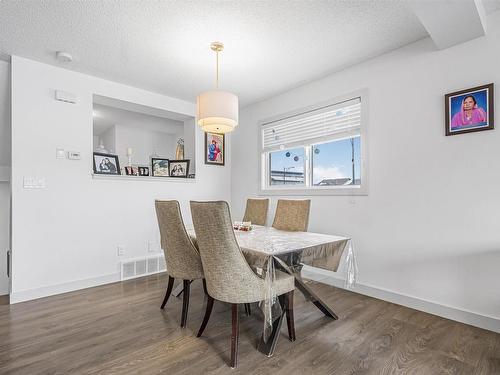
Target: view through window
x,y
319,149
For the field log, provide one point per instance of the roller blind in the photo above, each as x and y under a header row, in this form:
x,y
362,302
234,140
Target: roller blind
x,y
326,123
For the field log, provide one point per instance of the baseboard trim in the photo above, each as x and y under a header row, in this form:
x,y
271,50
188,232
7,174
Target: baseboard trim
x,y
468,317
46,291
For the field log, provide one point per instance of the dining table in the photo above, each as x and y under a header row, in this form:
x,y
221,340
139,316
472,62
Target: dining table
x,y
268,250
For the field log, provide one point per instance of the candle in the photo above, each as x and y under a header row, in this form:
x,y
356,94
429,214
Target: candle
x,y
129,151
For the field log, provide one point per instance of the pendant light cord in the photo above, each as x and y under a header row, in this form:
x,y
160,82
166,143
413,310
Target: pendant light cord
x,y
217,70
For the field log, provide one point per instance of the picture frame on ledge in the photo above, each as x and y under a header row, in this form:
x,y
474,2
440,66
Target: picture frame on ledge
x,y
131,171
178,168
159,167
470,110
143,171
107,164
215,148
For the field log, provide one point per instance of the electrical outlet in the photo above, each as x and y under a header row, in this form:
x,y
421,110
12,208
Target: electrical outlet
x,y
121,250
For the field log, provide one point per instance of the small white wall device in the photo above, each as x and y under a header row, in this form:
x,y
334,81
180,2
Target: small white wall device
x,y
74,155
66,97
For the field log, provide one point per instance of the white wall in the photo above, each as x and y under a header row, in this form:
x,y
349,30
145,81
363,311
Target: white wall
x,y
189,129
108,138
66,235
429,228
146,134
143,144
4,172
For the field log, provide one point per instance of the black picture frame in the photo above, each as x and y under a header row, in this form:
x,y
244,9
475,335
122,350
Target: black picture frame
x,y
143,171
98,160
174,172
159,163
482,96
222,150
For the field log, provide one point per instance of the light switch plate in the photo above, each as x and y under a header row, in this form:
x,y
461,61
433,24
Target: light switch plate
x,y
121,250
59,153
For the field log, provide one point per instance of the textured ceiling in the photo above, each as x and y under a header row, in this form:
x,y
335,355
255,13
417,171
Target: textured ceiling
x,y
163,46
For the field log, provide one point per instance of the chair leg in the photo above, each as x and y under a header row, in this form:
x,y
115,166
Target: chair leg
x,y
205,286
289,316
169,290
185,302
248,309
208,311
234,335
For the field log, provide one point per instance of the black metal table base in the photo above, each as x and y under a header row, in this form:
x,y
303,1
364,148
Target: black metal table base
x,y
267,347
311,296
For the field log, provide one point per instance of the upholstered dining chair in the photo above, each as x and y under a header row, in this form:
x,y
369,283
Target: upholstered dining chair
x,y
292,215
181,256
229,278
256,211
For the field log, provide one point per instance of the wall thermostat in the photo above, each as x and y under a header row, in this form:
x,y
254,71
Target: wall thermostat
x,y
74,155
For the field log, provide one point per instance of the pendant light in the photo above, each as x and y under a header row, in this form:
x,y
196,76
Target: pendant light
x,y
217,110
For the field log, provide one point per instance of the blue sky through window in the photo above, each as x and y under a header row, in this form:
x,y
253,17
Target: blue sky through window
x,y
280,160
333,160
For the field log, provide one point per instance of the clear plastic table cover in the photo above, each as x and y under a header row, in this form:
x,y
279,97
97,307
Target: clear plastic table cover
x,y
267,249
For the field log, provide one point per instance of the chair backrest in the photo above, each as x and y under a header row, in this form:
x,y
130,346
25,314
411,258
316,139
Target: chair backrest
x,y
228,276
182,257
292,215
256,211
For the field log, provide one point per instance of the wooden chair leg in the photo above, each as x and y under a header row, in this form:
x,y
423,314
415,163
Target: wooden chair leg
x,y
248,309
208,311
182,290
234,335
185,302
289,316
169,290
205,286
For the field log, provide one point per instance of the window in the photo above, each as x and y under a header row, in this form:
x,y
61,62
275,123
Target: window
x,y
287,167
319,149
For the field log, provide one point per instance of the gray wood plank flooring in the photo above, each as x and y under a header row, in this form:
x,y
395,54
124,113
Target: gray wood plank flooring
x,y
120,329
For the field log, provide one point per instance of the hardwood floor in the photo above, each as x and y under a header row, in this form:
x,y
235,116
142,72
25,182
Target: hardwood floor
x,y
120,329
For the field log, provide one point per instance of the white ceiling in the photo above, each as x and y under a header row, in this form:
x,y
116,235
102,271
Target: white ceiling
x,y
163,46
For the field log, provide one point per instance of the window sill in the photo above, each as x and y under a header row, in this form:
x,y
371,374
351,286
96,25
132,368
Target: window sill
x,y
304,191
142,178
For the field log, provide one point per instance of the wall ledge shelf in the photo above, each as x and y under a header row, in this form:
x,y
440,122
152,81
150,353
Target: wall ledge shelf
x,y
142,178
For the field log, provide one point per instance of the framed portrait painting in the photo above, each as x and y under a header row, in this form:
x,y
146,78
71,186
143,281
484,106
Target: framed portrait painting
x,y
106,163
214,148
470,110
159,167
178,168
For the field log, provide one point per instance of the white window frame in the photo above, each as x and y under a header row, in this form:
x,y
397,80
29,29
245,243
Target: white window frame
x,y
264,168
